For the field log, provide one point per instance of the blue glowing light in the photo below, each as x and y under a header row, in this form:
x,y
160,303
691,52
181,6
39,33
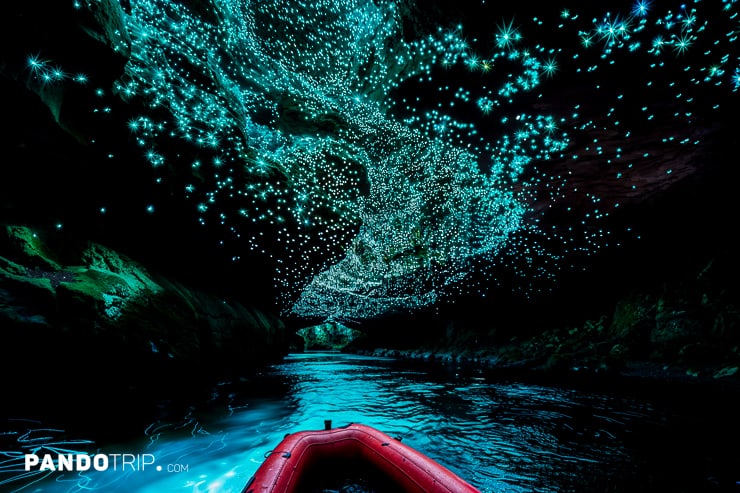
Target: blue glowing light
x,y
330,131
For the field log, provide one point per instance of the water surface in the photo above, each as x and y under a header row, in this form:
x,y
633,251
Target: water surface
x,y
499,436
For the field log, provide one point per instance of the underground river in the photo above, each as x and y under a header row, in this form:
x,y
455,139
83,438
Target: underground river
x,y
500,436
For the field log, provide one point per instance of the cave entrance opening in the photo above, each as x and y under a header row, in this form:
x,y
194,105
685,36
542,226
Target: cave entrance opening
x,y
328,336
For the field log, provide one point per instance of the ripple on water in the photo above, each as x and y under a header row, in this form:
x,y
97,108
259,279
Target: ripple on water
x,y
499,436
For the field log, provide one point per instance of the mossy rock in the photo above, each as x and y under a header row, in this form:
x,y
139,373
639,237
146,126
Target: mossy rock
x,y
12,269
26,247
634,317
100,258
104,300
94,283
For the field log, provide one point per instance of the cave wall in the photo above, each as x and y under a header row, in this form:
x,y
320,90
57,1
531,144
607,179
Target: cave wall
x,y
85,314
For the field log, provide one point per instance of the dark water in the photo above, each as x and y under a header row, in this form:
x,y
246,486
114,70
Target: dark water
x,y
500,436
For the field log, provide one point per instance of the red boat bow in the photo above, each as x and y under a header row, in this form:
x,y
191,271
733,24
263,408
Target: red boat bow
x,y
299,455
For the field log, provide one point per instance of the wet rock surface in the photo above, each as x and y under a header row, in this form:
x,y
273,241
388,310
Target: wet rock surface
x,y
685,330
85,319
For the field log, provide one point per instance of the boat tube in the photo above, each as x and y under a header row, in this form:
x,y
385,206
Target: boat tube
x,y
304,461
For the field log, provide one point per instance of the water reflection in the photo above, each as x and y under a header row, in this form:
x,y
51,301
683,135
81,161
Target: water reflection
x,y
498,436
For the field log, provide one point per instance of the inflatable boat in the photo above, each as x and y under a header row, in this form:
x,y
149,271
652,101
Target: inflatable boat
x,y
351,459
